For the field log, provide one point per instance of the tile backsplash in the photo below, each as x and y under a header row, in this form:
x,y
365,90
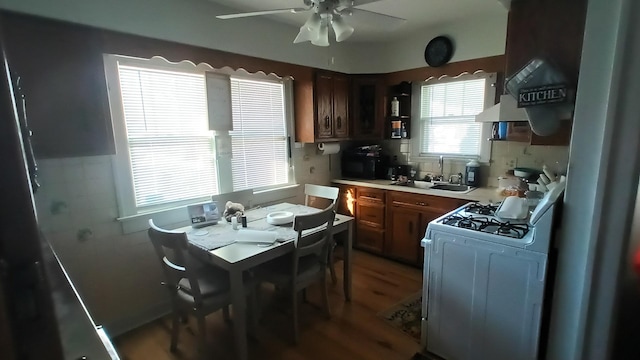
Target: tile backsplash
x,y
505,155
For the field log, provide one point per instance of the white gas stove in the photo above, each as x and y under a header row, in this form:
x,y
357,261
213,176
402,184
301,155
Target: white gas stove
x,y
484,279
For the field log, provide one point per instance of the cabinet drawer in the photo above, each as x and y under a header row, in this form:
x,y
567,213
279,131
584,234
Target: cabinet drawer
x,y
371,195
372,214
419,201
369,238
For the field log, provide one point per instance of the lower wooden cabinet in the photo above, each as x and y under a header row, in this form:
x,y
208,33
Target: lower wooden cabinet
x,y
404,233
370,238
392,223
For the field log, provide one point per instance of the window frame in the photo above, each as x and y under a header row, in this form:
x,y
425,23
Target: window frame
x,y
485,132
121,161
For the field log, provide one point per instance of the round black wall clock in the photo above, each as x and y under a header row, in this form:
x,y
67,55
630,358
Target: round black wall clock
x,y
438,51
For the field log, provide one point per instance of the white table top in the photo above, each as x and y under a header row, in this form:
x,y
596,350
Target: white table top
x,y
223,235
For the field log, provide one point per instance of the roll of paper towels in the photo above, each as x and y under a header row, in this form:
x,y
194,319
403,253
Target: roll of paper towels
x,y
329,149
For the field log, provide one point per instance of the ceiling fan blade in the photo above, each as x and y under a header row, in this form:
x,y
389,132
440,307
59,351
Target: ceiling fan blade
x,y
363,2
379,20
266,12
345,4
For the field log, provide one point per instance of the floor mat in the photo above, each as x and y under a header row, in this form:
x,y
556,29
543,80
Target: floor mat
x,y
406,315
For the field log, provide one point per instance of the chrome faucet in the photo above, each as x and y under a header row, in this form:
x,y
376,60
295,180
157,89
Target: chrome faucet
x,y
441,166
459,178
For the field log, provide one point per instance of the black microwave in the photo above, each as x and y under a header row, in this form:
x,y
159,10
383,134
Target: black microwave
x,y
364,166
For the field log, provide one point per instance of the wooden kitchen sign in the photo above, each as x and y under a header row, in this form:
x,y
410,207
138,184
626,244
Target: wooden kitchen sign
x,y
543,95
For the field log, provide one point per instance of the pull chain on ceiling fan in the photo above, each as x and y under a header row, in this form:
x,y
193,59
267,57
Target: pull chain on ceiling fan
x,y
329,13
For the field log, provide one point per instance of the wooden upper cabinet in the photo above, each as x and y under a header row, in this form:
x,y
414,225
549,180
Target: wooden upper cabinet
x,y
62,77
341,106
553,30
331,98
324,110
367,120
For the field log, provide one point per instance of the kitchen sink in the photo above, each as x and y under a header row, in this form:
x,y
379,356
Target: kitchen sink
x,y
450,187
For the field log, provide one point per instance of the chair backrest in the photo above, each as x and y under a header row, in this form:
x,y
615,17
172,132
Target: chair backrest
x,y
172,250
320,191
317,243
244,197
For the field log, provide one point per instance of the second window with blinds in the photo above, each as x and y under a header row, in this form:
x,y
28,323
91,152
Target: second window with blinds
x,y
166,154
447,110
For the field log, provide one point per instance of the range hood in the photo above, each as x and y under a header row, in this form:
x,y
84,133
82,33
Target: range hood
x,y
506,110
544,119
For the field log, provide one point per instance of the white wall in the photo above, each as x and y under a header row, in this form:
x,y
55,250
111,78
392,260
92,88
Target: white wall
x,y
193,22
472,38
601,186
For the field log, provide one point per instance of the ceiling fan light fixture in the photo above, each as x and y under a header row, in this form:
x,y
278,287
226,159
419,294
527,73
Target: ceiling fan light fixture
x,y
343,30
323,35
310,30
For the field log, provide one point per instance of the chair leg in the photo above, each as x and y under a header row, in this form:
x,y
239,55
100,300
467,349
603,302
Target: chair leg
x,y
225,314
294,315
332,268
202,335
175,330
253,314
325,296
257,302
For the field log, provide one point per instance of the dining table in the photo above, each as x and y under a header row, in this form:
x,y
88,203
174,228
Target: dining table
x,y
217,245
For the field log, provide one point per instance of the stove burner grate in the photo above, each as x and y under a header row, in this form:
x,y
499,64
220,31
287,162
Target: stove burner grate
x,y
465,222
505,228
481,209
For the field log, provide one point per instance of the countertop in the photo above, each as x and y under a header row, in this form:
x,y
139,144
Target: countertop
x,y
482,194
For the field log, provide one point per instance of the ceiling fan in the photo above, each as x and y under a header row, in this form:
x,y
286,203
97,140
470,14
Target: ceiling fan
x,y
326,13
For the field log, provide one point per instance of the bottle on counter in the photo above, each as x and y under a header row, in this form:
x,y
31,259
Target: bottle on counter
x,y
472,173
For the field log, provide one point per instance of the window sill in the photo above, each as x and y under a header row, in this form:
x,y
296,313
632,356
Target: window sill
x,y
176,216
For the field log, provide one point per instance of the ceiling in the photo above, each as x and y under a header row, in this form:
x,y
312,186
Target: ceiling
x,y
419,14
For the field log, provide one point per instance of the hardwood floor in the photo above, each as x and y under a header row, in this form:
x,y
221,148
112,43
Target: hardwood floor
x,y
353,332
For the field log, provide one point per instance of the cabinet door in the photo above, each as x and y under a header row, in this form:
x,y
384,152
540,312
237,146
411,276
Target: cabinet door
x,y
62,76
403,234
371,214
368,117
369,238
324,111
340,106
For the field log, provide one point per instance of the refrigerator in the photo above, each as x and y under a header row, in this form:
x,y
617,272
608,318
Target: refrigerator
x,y
41,314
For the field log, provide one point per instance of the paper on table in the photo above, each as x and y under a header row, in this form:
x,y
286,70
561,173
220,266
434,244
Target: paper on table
x,y
256,236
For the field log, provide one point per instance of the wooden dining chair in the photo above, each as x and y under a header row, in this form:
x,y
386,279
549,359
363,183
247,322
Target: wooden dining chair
x,y
244,197
194,289
312,194
306,265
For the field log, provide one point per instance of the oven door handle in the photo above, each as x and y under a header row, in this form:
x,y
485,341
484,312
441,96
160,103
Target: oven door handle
x,y
427,245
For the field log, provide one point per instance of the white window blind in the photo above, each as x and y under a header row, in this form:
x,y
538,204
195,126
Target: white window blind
x,y
447,114
259,136
171,148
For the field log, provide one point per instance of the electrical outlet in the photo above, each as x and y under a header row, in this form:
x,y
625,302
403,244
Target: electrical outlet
x,y
509,162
